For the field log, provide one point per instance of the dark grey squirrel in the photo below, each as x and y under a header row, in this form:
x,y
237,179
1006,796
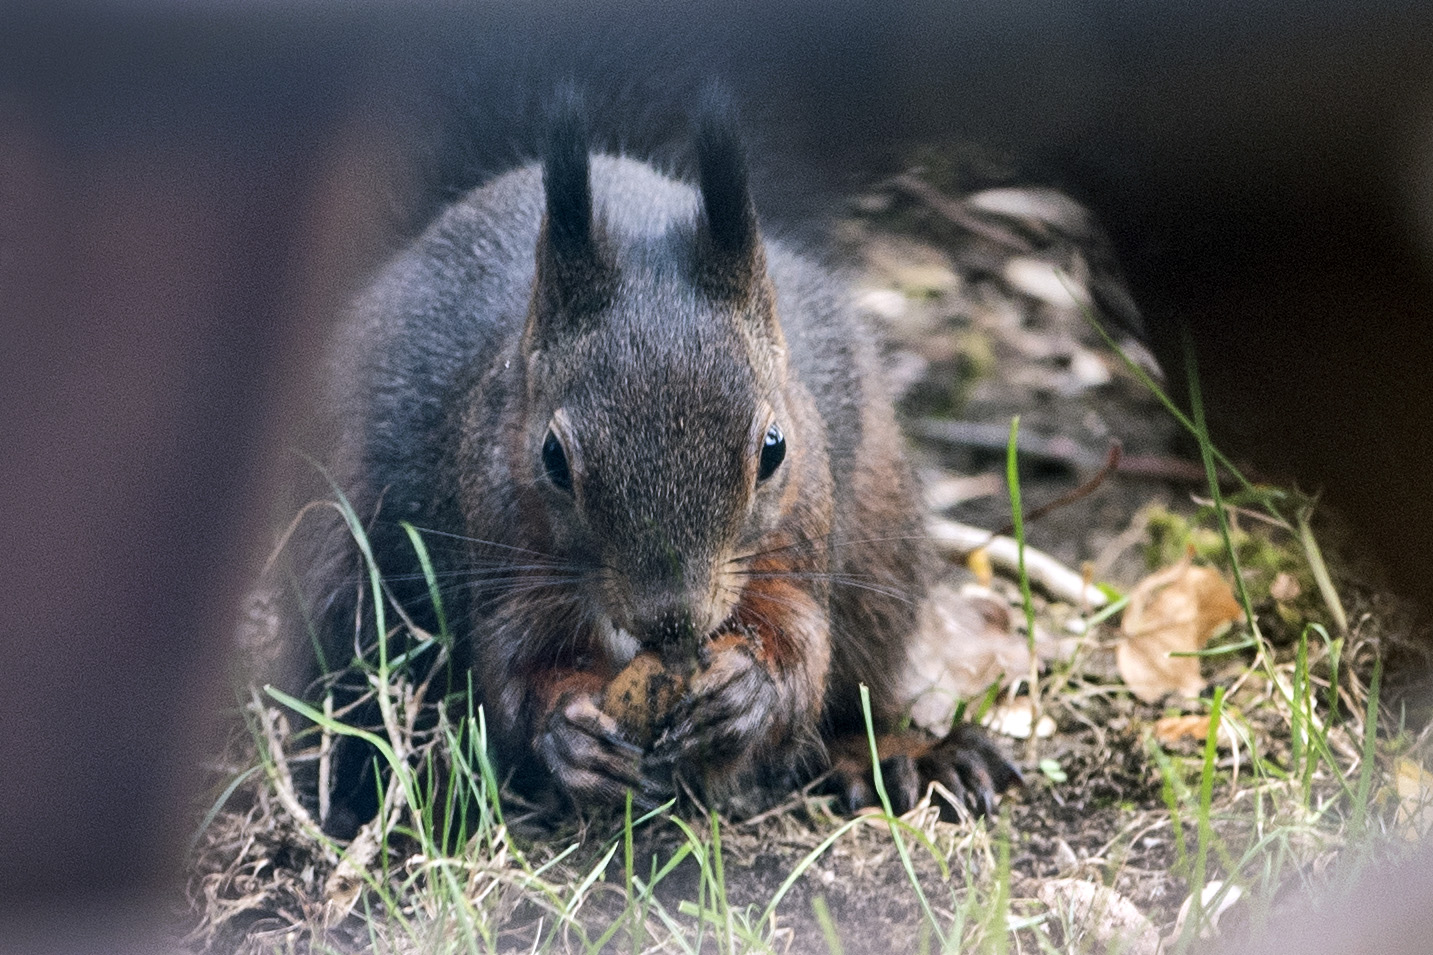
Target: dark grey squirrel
x,y
627,425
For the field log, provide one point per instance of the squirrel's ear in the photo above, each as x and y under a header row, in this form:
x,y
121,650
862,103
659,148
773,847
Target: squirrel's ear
x,y
731,263
573,271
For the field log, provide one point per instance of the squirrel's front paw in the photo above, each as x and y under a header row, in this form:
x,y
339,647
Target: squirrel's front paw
x,y
586,752
732,704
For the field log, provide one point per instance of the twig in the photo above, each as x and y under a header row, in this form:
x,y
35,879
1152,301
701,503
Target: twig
x,y
278,770
955,212
1045,571
1112,461
1058,449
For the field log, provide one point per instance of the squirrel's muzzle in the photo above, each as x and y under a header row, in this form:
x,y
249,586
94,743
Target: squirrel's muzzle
x,y
674,622
669,633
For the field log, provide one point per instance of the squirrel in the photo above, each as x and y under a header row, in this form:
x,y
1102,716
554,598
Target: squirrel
x,y
629,425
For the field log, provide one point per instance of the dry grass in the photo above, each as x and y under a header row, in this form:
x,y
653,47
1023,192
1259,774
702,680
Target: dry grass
x,y
1295,794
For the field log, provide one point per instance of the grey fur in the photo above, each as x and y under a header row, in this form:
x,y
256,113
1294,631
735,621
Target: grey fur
x,y
454,367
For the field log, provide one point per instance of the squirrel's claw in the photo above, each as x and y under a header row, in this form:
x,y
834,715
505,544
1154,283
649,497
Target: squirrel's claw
x,y
729,707
967,763
587,754
899,777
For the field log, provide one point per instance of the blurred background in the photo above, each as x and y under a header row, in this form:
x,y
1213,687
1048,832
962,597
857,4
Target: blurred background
x,y
191,191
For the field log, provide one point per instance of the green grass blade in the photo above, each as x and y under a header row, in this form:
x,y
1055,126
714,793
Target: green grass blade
x,y
1359,824
1211,472
827,924
218,805
430,577
1027,601
885,798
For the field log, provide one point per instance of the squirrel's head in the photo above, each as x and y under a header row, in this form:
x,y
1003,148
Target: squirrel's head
x,y
660,435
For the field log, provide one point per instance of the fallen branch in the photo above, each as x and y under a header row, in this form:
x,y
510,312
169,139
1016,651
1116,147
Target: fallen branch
x,y
956,212
1059,450
1044,571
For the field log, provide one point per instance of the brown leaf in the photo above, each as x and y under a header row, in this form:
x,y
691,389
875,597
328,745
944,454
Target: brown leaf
x,y
978,561
966,641
1173,730
1175,610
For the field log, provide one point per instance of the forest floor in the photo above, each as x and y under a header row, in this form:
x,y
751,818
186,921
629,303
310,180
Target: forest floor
x,y
1266,779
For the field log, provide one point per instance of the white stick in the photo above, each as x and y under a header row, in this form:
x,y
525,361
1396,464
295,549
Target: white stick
x,y
1045,572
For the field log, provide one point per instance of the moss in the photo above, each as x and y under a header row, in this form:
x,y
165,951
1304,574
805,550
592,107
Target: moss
x,y
1265,553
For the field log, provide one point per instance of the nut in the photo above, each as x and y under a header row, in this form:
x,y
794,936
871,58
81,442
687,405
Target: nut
x,y
642,696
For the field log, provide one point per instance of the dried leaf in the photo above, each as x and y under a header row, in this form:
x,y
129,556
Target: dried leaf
x,y
1046,281
1285,587
1173,730
1175,610
965,642
343,885
1089,369
978,561
1415,798
1015,718
1102,915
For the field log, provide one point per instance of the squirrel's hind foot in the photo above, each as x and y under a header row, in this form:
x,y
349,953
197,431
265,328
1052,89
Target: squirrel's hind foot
x,y
966,763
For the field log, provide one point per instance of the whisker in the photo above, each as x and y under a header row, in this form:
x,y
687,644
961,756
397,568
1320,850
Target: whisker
x,y
458,584
781,601
527,586
478,540
831,543
477,571
763,620
843,580
771,551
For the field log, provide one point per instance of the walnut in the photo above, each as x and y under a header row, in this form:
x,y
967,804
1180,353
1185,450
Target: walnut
x,y
642,696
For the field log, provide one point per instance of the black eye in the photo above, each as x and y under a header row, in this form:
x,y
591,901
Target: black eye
x,y
554,462
773,451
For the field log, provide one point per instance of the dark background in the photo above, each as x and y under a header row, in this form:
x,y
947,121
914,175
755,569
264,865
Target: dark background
x,y
188,192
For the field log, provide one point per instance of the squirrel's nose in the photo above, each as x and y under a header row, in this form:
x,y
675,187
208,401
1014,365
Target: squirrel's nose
x,y
667,628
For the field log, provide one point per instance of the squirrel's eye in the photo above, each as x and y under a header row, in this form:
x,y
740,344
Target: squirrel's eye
x,y
554,462
773,451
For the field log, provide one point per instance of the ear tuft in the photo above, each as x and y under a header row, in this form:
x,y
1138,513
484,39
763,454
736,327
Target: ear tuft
x,y
730,262
574,274
726,194
567,179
